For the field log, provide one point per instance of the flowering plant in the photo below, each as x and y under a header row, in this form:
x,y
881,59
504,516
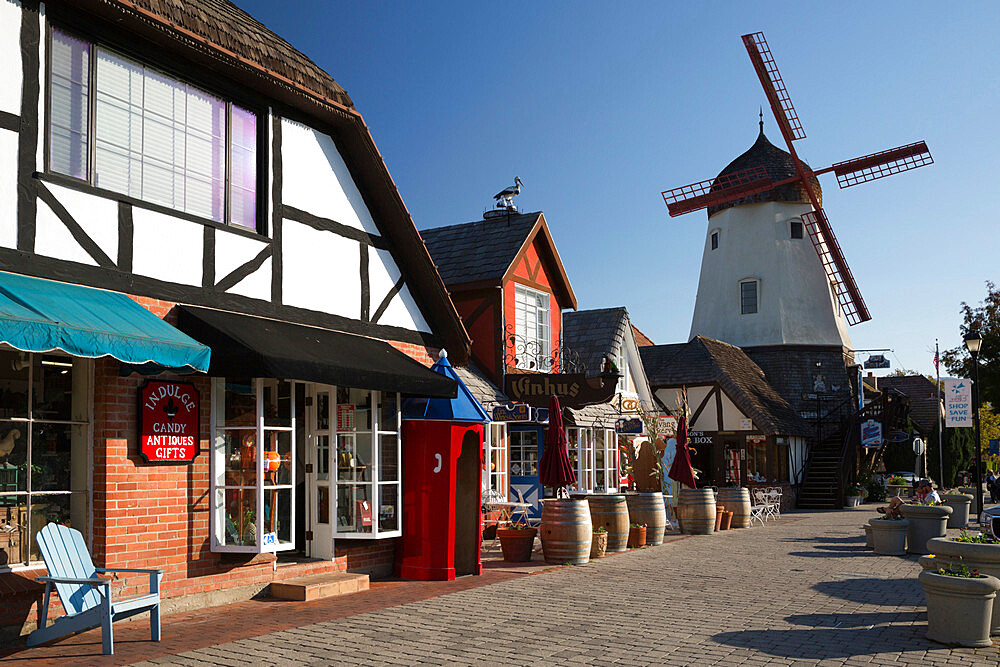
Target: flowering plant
x,y
981,538
637,525
960,570
599,530
897,480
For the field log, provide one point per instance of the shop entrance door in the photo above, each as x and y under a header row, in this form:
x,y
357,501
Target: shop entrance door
x,y
526,443
319,478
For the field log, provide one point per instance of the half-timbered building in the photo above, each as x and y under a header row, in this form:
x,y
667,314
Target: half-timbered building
x,y
181,190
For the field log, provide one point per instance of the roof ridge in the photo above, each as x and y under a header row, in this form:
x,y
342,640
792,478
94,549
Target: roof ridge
x,y
484,221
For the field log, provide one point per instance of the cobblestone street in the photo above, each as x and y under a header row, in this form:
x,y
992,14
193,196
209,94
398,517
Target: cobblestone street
x,y
804,590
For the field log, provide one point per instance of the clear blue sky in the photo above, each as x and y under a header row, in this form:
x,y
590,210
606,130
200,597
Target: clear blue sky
x,y
599,107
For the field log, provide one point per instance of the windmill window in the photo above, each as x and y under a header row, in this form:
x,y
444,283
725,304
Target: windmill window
x,y
128,128
748,297
796,229
715,240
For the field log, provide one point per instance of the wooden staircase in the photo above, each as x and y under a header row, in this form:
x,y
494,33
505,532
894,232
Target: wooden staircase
x,y
821,487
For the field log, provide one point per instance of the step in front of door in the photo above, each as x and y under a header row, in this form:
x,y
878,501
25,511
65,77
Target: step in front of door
x,y
316,586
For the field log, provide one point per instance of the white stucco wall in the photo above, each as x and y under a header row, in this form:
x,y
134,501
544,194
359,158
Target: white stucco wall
x,y
8,188
53,239
315,178
402,310
234,250
10,56
320,270
795,302
167,248
257,285
732,417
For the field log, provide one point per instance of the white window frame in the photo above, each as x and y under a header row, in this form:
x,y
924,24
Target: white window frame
x,y
495,445
580,441
217,467
374,483
537,349
756,283
520,460
609,450
86,367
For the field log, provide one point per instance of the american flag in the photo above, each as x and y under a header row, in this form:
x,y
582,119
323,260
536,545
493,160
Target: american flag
x,y
935,361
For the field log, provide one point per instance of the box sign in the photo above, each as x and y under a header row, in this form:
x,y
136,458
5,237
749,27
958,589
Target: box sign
x,y
871,433
168,422
512,413
957,402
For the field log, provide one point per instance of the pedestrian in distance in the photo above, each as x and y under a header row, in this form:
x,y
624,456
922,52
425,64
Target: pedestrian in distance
x,y
992,483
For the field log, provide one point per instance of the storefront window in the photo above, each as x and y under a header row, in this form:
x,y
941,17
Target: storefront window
x,y
524,454
757,459
44,447
253,464
581,456
605,461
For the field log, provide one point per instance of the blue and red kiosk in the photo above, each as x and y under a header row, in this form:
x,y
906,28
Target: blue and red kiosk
x,y
442,483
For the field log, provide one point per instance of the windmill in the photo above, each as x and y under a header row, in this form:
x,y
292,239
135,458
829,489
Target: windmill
x,y
755,180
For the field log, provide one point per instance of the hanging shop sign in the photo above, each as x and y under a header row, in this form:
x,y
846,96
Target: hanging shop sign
x,y
629,405
629,426
897,436
168,421
575,390
957,402
871,433
512,413
877,361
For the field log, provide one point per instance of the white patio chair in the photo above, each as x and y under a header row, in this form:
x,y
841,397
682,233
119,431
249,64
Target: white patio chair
x,y
762,498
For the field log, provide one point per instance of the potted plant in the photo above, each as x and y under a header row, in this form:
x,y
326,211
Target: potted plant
x,y
926,522
599,543
889,535
959,503
727,520
719,511
979,551
636,535
959,605
854,495
517,541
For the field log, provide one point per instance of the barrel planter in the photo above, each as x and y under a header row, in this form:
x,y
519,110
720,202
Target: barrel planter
x,y
737,500
926,522
610,513
959,609
959,503
648,508
696,511
517,543
889,536
566,531
982,557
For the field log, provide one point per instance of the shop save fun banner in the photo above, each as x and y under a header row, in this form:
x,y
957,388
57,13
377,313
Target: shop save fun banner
x,y
168,421
957,402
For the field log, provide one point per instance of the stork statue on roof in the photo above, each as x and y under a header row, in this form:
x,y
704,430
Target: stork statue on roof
x,y
505,198
759,285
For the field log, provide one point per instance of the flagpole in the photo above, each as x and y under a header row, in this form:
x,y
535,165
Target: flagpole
x,y
937,367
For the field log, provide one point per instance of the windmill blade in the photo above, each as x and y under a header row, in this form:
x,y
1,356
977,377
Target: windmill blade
x,y
882,164
839,274
774,86
725,188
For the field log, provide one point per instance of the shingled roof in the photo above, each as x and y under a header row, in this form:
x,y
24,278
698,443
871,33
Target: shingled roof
x,y
641,339
479,250
705,360
779,166
237,36
594,334
925,398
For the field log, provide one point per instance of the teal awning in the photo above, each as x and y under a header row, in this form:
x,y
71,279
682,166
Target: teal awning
x,y
38,315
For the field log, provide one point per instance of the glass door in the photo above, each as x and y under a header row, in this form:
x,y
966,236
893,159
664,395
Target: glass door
x,y
319,530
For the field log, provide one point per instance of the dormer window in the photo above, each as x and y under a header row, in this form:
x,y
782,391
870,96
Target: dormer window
x,y
796,229
531,326
130,129
714,240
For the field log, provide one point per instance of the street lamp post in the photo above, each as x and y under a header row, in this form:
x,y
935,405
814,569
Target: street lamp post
x,y
972,343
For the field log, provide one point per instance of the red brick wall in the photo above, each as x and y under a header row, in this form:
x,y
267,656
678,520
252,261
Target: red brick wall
x,y
157,515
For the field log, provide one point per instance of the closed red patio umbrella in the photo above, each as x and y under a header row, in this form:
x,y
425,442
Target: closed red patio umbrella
x,y
554,469
681,469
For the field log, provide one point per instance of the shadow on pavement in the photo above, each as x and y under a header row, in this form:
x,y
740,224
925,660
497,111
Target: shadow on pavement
x,y
827,643
825,540
874,591
860,551
858,620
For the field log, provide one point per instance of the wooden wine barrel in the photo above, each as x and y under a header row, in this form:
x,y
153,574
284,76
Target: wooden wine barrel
x,y
696,511
648,508
737,500
566,531
610,513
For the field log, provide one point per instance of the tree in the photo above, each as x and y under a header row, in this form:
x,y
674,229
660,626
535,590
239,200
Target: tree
x,y
985,319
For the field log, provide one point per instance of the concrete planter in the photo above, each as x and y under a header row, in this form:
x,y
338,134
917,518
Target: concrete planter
x,y
959,610
982,557
889,536
852,501
869,544
959,503
926,522
898,490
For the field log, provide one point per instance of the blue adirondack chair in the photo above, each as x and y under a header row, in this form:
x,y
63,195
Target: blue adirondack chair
x,y
85,596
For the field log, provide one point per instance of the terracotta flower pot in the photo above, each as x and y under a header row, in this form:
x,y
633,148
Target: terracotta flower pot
x,y
982,557
719,511
598,545
959,609
636,536
517,544
727,519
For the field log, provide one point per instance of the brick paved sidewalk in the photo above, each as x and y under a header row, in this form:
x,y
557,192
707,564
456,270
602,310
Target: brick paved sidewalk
x,y
801,592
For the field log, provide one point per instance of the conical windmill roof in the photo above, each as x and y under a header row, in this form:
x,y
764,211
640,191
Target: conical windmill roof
x,y
779,166
463,408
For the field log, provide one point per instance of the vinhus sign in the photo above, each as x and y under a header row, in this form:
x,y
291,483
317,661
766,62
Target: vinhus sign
x,y
575,390
168,421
